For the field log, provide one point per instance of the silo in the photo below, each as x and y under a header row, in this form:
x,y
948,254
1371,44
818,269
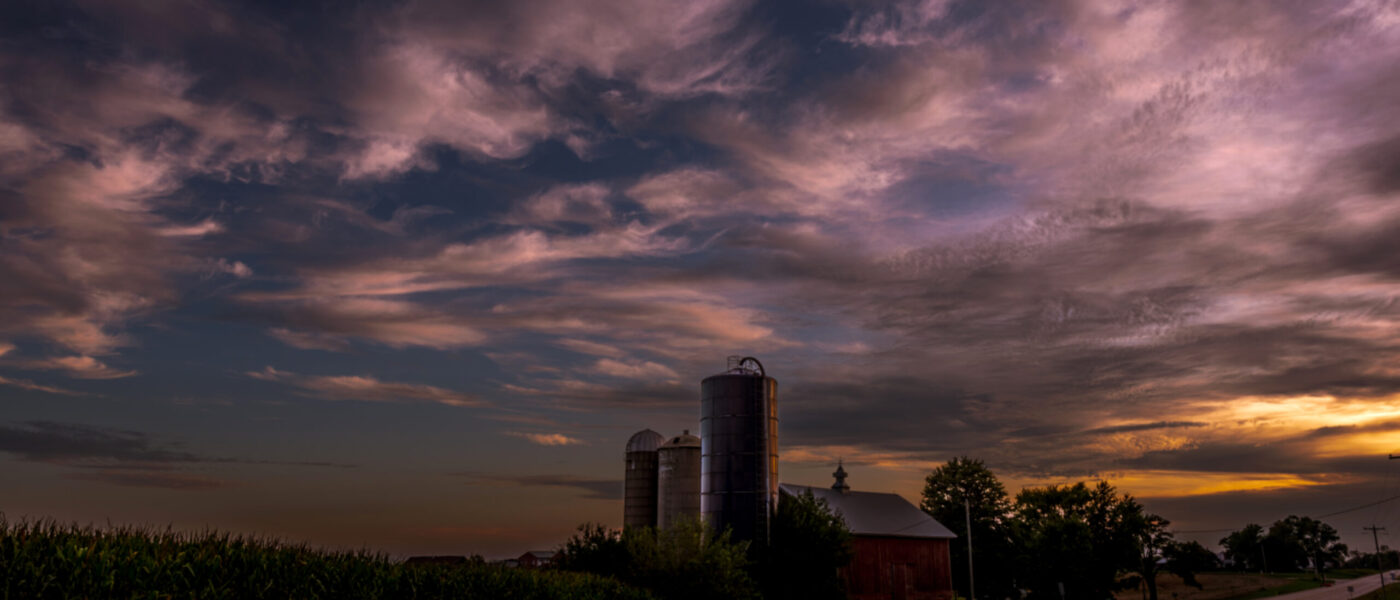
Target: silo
x,y
739,449
639,493
679,481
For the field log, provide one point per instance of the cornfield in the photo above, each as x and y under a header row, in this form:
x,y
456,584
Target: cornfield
x,y
48,560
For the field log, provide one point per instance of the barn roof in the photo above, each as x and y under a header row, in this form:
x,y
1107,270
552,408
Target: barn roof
x,y
876,514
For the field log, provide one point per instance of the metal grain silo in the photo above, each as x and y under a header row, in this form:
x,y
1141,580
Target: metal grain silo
x,y
678,498
639,493
739,449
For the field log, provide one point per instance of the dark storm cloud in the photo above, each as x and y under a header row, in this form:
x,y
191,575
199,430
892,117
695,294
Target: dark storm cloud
x,y
601,489
120,457
44,441
1210,517
1144,427
1296,453
1380,164
152,479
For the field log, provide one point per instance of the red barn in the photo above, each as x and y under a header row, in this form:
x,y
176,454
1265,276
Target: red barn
x,y
901,553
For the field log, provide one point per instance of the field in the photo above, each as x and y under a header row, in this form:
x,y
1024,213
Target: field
x,y
1237,586
1392,592
46,560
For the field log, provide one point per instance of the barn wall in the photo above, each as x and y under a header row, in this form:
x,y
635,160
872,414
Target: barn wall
x,y
899,569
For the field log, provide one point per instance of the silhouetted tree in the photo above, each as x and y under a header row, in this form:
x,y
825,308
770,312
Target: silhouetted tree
x,y
1245,548
810,544
990,509
1153,540
688,560
1078,536
1291,544
1186,559
1387,559
598,550
1319,542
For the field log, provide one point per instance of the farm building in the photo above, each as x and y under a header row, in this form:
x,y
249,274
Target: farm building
x,y
538,559
901,553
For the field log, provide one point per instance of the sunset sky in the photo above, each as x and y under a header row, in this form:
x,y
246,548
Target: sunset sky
x,y
406,275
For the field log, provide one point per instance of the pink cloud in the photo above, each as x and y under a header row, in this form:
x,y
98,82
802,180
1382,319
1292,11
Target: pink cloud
x,y
572,203
667,48
82,367
645,369
367,389
422,95
547,439
326,324
25,384
591,348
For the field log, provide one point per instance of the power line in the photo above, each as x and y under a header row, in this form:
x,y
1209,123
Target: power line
x,y
1356,508
1340,512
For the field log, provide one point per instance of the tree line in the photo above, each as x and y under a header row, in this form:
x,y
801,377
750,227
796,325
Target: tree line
x,y
1086,541
1060,541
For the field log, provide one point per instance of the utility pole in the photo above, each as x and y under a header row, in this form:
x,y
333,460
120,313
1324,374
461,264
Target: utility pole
x,y
971,582
1375,537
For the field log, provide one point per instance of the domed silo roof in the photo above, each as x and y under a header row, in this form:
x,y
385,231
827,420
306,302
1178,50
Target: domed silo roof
x,y
645,440
684,440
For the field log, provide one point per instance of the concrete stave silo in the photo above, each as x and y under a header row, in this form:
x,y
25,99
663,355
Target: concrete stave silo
x,y
739,449
641,481
678,494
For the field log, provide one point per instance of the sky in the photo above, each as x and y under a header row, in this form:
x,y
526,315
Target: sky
x,y
407,275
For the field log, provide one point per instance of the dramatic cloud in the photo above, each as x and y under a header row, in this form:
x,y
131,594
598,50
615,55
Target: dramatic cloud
x,y
1148,241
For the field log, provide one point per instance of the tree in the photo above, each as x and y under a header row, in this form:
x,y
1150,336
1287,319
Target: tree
x,y
810,545
1186,559
1283,549
1387,559
1319,542
1153,540
688,560
1245,548
1291,544
944,492
598,550
1078,536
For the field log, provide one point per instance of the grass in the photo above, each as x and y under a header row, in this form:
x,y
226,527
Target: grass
x,y
48,560
1296,585
1392,592
1225,585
